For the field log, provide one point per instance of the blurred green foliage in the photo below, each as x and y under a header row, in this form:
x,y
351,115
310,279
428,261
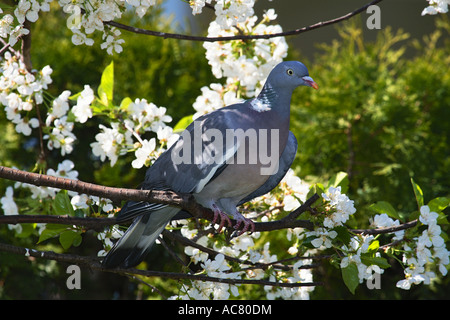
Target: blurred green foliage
x,y
379,115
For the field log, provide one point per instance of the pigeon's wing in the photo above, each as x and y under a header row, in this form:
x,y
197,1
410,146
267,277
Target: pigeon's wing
x,y
199,155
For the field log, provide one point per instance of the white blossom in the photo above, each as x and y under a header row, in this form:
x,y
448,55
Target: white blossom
x,y
79,38
323,237
5,25
197,5
109,143
144,154
61,136
82,110
112,41
340,206
9,206
60,105
436,6
426,216
148,116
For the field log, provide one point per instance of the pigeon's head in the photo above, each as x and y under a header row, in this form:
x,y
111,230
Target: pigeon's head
x,y
290,74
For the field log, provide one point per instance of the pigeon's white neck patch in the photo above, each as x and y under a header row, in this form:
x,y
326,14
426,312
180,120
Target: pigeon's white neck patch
x,y
260,105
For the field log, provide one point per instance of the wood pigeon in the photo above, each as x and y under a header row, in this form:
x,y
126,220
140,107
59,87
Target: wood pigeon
x,y
224,158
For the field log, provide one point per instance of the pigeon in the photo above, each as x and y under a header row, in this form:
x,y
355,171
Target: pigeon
x,y
224,159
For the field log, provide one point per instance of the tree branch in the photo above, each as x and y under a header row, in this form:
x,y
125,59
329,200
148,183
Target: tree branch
x,y
184,201
400,227
258,265
166,35
26,46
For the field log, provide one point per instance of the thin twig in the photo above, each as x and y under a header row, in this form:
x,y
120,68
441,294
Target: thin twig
x,y
94,264
254,265
304,207
178,36
400,227
89,223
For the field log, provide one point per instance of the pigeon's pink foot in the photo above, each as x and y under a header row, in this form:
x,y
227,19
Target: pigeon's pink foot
x,y
223,218
247,223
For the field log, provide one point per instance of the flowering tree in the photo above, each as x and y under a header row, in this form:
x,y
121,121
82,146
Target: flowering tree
x,y
222,263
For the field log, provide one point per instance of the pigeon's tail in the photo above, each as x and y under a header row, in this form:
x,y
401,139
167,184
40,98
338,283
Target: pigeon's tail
x,y
132,248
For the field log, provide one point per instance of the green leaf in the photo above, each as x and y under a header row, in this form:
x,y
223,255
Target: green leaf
x,y
373,247
439,204
339,179
183,123
105,90
69,238
418,193
51,231
385,207
317,188
350,276
343,234
61,204
379,261
125,103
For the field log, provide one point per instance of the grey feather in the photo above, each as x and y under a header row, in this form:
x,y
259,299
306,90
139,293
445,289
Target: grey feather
x,y
137,241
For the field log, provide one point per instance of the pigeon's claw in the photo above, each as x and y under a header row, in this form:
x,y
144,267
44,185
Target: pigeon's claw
x,y
247,223
223,218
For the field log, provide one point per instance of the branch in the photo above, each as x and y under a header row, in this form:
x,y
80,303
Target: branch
x,y
115,194
166,35
255,265
184,201
94,264
400,227
26,46
96,224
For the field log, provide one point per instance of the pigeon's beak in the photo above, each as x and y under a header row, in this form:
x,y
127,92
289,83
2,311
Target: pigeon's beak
x,y
310,82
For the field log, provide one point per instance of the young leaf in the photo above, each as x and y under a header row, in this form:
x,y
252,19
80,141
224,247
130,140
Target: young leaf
x,y
51,231
315,188
379,261
105,90
125,103
350,276
183,123
373,247
339,179
418,193
69,238
439,204
385,207
62,204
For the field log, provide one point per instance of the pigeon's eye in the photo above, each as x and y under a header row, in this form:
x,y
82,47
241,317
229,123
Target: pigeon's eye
x,y
290,72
